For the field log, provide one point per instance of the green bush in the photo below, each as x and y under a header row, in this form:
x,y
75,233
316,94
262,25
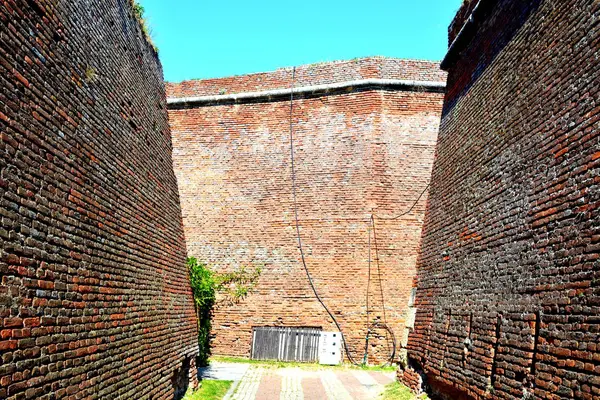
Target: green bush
x,y
232,287
203,287
397,391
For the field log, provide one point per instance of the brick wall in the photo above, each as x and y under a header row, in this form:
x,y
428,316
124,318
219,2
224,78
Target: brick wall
x,y
312,74
508,297
356,150
94,299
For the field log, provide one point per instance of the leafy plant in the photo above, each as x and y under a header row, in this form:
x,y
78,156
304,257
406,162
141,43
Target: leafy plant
x,y
203,289
231,287
90,74
138,10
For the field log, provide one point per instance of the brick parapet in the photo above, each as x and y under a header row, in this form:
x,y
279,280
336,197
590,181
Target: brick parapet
x,y
312,74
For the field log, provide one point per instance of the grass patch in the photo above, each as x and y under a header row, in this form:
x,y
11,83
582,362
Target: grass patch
x,y
210,390
309,366
397,391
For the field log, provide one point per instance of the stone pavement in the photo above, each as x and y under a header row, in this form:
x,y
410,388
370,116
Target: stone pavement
x,y
223,371
256,382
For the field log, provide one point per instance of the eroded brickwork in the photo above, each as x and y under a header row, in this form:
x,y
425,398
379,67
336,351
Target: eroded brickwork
x,y
356,151
94,301
508,297
314,74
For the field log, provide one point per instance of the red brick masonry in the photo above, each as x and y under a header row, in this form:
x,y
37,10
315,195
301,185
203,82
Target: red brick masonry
x,y
357,149
508,298
95,300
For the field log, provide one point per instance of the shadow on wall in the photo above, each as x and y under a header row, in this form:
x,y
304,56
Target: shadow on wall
x,y
486,53
180,379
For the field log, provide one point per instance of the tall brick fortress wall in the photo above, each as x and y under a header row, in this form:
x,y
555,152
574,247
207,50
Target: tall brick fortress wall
x,y
508,296
94,299
357,149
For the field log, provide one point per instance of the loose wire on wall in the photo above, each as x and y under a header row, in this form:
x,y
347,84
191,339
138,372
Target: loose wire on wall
x,y
384,325
371,226
372,221
378,269
310,281
406,212
380,283
367,296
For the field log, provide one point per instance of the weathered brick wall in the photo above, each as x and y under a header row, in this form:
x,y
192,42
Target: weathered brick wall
x,y
94,299
508,297
312,74
355,151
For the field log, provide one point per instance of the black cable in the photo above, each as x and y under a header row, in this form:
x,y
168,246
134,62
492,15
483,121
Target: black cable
x,y
409,210
379,277
372,222
391,333
368,290
298,224
368,273
378,268
384,325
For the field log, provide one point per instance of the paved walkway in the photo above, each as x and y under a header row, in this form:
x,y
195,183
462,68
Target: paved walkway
x,y
223,371
267,383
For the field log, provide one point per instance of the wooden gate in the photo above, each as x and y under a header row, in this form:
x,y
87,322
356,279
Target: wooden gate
x,y
286,344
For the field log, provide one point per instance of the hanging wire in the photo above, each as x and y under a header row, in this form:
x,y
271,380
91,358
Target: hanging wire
x,y
407,211
377,262
369,272
294,195
371,224
379,278
378,268
367,325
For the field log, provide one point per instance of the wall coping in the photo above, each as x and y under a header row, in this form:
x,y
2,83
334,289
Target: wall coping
x,y
315,90
464,35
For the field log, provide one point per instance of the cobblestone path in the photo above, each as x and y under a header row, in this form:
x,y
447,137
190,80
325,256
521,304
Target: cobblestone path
x,y
265,383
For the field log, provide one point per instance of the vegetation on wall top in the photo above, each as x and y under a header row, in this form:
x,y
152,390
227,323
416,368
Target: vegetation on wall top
x,y
138,12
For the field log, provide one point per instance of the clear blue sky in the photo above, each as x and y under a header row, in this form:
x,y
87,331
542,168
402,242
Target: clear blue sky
x,y
215,38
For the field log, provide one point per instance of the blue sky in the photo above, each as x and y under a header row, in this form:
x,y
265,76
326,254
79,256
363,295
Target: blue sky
x,y
215,38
